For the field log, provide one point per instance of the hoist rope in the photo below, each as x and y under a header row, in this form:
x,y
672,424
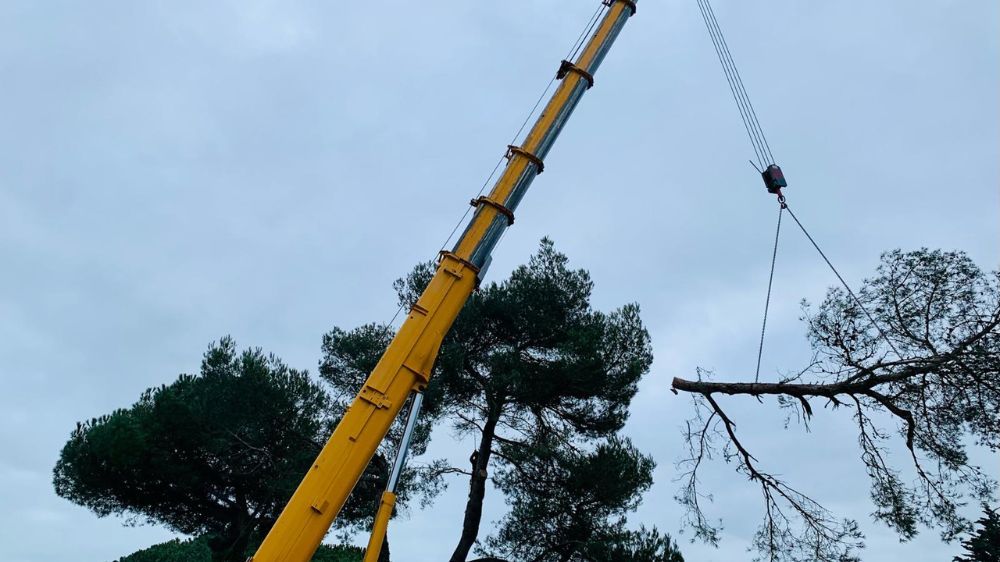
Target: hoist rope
x,y
586,31
577,45
767,301
482,188
740,92
750,122
844,283
499,162
762,150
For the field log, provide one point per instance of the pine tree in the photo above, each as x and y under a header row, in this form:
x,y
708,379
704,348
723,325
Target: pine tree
x,y
984,544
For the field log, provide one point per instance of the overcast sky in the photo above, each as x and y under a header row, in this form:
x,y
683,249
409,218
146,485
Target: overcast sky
x,y
171,172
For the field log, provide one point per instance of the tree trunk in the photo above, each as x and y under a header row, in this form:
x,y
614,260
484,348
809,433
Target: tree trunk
x,y
238,552
477,491
232,547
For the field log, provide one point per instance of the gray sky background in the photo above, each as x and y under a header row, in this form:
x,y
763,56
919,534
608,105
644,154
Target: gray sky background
x,y
171,172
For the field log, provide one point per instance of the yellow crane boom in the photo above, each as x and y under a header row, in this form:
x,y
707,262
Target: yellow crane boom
x,y
406,365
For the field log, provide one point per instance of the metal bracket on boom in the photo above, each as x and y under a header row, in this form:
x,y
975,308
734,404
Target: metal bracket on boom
x,y
450,255
565,67
483,200
629,3
512,150
374,397
389,496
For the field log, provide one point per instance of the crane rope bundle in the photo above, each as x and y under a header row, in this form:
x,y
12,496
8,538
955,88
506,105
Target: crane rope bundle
x,y
761,149
774,178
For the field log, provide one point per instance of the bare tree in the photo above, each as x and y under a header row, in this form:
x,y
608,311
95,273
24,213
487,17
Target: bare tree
x,y
930,366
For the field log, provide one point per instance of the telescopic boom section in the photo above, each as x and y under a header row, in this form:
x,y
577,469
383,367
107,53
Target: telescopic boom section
x,y
407,362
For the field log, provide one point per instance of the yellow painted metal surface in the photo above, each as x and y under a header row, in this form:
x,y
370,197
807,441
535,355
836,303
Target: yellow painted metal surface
x,y
407,362
518,162
406,365
380,526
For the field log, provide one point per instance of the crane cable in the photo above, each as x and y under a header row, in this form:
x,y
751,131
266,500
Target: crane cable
x,y
577,45
767,301
573,51
844,283
416,396
765,164
750,122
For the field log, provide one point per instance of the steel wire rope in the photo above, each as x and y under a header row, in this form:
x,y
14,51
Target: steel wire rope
x,y
762,148
758,141
572,53
857,301
767,301
741,88
587,28
744,114
739,80
482,188
726,54
586,31
736,84
499,162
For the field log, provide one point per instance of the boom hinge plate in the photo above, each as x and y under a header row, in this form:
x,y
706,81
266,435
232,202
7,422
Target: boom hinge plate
x,y
503,210
374,397
517,150
565,67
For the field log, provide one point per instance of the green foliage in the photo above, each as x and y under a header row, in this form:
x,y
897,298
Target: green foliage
x,y
570,505
348,359
941,313
215,454
913,355
644,545
339,553
984,544
191,550
196,550
528,360
533,345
